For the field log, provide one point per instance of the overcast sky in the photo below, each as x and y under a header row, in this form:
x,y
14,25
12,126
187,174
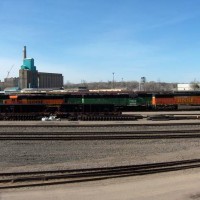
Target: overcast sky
x,y
90,39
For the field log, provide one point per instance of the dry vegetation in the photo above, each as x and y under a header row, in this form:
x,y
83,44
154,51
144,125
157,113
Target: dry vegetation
x,y
131,85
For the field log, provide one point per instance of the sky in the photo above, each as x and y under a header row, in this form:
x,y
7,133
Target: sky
x,y
89,40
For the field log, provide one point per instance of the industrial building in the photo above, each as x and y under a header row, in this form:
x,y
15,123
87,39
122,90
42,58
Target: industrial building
x,y
29,77
9,82
49,80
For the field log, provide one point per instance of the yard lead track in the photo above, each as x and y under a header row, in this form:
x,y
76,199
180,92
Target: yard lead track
x,y
79,124
53,177
100,131
111,135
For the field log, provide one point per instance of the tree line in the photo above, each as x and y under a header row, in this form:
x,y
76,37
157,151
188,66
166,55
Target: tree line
x,y
128,85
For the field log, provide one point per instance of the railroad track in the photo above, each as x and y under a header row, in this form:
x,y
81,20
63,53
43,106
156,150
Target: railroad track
x,y
66,124
53,177
111,135
100,131
124,117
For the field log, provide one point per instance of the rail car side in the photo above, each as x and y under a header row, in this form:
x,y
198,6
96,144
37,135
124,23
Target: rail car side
x,y
93,104
21,106
174,100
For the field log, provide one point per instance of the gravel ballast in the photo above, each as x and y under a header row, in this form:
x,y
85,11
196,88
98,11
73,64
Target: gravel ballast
x,y
51,155
44,155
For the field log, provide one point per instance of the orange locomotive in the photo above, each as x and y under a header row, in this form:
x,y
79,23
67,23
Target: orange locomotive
x,y
173,100
34,99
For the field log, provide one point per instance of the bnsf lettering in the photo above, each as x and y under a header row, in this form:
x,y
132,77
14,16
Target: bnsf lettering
x,y
34,101
185,100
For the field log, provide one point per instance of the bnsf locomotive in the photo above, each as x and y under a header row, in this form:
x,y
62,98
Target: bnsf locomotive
x,y
73,106
85,104
172,101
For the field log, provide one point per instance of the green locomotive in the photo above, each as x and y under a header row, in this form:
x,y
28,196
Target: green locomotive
x,y
121,101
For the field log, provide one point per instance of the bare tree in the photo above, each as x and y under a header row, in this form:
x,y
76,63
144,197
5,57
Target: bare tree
x,y
128,85
195,85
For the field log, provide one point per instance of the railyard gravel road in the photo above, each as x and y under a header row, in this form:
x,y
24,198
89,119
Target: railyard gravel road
x,y
19,156
47,155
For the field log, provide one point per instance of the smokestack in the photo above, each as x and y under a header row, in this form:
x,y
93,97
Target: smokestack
x,y
24,52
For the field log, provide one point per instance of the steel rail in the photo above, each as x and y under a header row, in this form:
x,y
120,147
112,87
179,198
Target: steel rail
x,y
114,124
30,179
103,137
81,133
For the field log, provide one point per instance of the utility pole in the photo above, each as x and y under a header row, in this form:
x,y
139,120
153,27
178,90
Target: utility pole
x,y
113,79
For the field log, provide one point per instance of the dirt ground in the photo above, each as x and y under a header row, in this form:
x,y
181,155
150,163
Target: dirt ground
x,y
182,185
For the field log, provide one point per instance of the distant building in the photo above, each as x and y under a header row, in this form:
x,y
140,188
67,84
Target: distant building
x,y
50,80
9,82
29,77
10,90
184,87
